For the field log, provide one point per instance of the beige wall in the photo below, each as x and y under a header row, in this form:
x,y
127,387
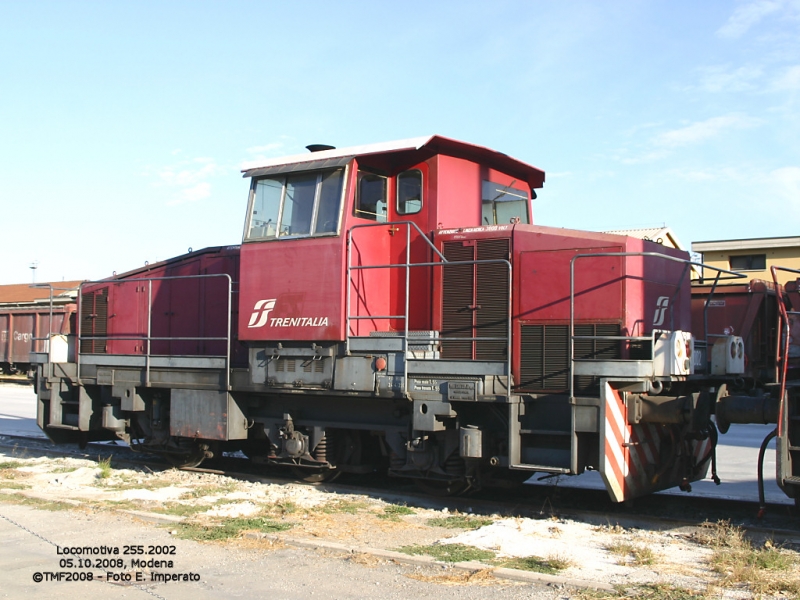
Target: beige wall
x,y
782,257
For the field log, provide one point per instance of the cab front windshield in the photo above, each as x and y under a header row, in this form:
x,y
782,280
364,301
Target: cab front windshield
x,y
295,205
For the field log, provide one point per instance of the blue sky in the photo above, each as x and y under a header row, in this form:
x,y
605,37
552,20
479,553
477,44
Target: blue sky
x,y
124,125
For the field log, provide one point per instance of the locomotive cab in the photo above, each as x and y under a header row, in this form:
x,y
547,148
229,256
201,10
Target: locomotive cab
x,y
309,215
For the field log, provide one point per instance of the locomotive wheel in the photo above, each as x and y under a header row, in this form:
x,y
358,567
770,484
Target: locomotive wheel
x,y
193,458
321,476
436,487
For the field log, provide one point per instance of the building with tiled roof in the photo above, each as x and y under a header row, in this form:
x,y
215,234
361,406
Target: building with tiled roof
x,y
26,294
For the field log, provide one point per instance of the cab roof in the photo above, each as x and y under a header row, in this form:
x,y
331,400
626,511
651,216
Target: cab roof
x,y
408,151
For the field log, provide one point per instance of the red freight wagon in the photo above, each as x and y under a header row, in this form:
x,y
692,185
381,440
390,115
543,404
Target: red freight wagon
x,y
748,310
393,307
27,317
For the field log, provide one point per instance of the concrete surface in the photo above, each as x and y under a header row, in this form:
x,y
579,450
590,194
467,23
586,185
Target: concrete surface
x,y
30,540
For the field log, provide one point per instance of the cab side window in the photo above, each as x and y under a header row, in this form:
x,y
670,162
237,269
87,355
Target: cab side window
x,y
503,204
371,197
409,192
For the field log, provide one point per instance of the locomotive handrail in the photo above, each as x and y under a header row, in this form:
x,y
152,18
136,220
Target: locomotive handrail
x,y
50,322
149,338
51,287
573,337
614,337
783,355
405,317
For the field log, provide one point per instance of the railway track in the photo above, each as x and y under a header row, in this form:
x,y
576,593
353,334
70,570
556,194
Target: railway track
x,y
16,379
655,512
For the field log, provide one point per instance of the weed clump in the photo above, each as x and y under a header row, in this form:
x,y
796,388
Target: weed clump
x,y
460,522
393,512
632,553
550,565
10,464
449,552
231,528
104,464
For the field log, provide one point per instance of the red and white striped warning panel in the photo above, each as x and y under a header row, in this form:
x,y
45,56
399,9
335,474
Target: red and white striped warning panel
x,y
631,462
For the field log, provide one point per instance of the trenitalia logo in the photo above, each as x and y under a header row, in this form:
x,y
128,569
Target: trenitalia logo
x,y
261,313
661,308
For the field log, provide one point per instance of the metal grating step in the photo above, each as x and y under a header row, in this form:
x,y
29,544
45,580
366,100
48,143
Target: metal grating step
x,y
543,432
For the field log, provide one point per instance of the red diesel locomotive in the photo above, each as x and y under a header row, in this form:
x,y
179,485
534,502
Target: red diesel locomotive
x,y
393,307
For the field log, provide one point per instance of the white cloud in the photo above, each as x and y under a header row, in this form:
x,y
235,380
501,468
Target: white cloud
x,y
188,176
662,145
722,79
188,180
747,15
704,130
197,192
790,80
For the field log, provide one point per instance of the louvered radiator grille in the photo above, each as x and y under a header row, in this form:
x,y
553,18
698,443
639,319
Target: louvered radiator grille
x,y
544,363
458,295
94,321
475,300
492,297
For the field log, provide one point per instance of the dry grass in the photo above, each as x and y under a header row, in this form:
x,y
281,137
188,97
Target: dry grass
x,y
286,507
13,485
349,507
40,503
128,483
764,569
220,489
615,529
633,554
482,577
9,470
365,560
652,591
260,543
